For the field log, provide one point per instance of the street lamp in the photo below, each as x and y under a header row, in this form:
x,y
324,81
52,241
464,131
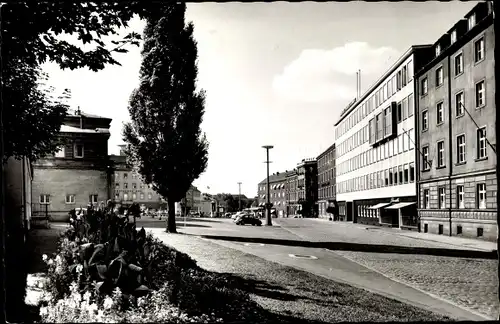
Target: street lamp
x,y
268,204
239,196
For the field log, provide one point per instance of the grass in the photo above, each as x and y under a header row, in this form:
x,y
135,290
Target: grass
x,y
293,294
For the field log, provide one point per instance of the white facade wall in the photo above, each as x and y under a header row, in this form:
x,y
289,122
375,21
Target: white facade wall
x,y
407,157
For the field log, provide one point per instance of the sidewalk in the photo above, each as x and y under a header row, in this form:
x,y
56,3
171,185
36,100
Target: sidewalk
x,y
463,242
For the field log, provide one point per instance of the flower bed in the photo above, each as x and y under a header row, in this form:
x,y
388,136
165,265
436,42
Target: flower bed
x,y
108,271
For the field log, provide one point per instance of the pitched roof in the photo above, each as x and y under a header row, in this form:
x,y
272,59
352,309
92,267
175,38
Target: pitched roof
x,y
74,112
71,129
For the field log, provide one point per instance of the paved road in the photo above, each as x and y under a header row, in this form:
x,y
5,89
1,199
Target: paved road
x,y
386,274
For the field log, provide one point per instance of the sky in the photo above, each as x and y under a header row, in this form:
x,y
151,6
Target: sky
x,y
274,74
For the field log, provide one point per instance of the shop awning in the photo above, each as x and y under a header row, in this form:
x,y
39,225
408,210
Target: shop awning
x,y
377,206
401,205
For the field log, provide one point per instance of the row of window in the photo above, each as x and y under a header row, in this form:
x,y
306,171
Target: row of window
x,y
458,66
461,149
77,151
404,109
134,185
326,192
70,199
326,159
395,176
326,176
480,95
133,197
480,197
399,80
403,143
125,176
364,211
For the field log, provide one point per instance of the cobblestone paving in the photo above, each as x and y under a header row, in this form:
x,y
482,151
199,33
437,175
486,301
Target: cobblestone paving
x,y
470,283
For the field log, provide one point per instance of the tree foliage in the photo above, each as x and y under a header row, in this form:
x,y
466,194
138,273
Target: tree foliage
x,y
30,30
164,138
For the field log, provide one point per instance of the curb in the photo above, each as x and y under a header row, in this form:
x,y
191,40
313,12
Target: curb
x,y
486,317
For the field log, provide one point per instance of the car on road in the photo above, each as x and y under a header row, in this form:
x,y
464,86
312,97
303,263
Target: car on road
x,y
247,219
235,216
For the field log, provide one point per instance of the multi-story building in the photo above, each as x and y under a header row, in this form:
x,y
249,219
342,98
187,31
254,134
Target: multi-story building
x,y
277,192
129,187
292,194
375,156
80,173
457,183
307,187
326,182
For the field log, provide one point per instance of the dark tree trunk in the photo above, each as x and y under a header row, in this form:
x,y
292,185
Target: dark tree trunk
x,y
171,228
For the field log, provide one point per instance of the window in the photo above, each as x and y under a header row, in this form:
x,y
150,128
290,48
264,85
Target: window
x,y
471,21
411,105
150,196
425,120
134,186
117,196
412,172
409,68
70,199
398,79
479,50
405,173
404,77
44,199
400,174
460,197
481,195
426,199
125,185
395,175
453,36
125,196
60,153
440,154
439,76
404,107
388,121
481,143
425,158
440,113
93,199
400,112
459,101
480,99
125,176
390,177
438,49
117,185
442,197
459,64
423,86
78,153
461,148
134,196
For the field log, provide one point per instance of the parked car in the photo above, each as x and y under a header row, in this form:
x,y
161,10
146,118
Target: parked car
x,y
238,214
247,219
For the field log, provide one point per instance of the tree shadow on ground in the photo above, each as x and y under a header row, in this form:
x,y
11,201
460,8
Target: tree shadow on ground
x,y
358,247
41,241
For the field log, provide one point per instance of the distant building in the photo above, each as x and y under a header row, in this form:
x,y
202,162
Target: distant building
x,y
80,173
128,186
457,183
277,182
326,181
375,148
307,187
191,201
292,194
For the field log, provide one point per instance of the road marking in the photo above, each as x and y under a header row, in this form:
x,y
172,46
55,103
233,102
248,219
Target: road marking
x,y
250,244
298,256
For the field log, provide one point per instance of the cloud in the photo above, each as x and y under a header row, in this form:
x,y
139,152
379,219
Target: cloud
x,y
318,75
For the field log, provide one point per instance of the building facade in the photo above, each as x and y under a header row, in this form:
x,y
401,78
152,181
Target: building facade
x,y
129,187
457,181
307,187
80,173
17,175
277,182
326,182
375,155
292,194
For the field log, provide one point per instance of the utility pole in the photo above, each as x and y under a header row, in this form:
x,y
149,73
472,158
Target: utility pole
x,y
239,196
268,204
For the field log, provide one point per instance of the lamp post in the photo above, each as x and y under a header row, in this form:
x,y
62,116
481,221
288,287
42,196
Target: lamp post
x,y
239,196
268,204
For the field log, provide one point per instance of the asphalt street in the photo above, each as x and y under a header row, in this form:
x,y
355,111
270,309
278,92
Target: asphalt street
x,y
400,276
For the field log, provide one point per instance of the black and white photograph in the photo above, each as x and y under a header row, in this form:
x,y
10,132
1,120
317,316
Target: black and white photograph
x,y
248,162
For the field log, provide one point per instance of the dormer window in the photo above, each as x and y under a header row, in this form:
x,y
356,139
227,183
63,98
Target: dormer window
x,y
453,36
438,49
471,21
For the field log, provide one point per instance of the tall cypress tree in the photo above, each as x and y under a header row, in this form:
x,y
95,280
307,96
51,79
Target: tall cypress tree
x,y
164,137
